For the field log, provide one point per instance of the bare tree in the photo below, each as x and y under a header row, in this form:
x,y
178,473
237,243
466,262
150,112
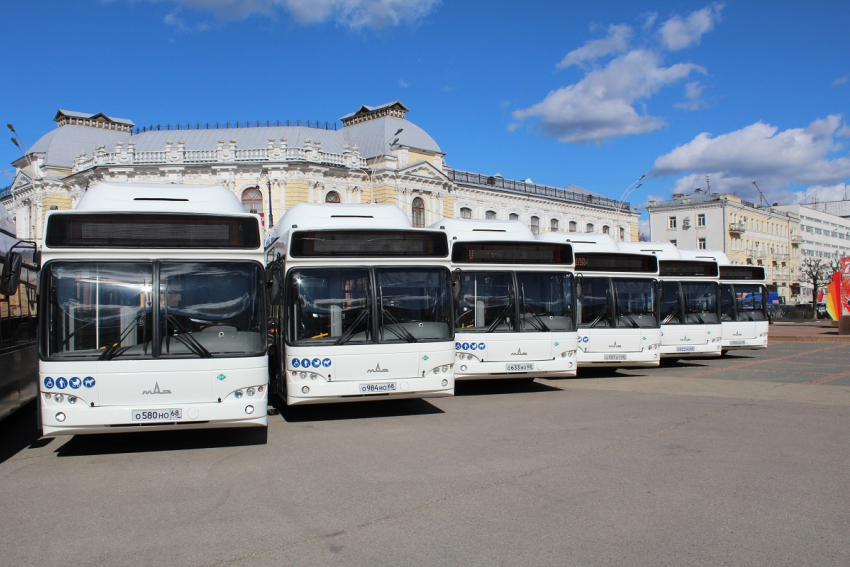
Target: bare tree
x,y
818,272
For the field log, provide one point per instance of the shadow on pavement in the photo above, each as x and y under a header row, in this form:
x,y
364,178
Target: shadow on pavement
x,y
501,386
613,372
20,431
354,410
684,362
157,441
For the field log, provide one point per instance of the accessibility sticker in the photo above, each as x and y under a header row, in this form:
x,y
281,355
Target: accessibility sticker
x,y
305,362
480,346
317,362
75,383
296,363
88,382
326,362
48,382
61,383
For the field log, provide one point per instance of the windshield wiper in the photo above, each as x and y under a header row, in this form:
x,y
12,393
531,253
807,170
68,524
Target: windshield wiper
x,y
669,317
350,331
600,317
399,330
629,317
501,317
115,349
186,338
541,326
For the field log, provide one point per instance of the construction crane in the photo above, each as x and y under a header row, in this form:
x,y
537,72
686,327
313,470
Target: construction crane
x,y
761,195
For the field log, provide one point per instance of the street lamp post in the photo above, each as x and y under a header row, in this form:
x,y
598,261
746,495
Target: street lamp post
x,y
626,193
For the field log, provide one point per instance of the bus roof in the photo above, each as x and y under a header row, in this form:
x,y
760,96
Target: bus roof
x,y
160,197
474,230
582,241
663,250
337,215
715,255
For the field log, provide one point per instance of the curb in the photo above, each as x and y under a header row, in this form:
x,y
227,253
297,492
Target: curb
x,y
810,339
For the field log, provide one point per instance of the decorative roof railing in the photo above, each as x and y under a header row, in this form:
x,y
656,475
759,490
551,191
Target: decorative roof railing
x,y
247,124
177,154
494,182
5,191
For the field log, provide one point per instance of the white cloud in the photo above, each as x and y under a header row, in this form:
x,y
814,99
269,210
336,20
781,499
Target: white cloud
x,y
649,20
822,193
693,97
355,14
643,227
601,106
775,159
174,19
403,84
840,81
678,33
616,42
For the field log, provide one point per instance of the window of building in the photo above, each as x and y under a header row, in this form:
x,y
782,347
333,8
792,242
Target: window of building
x,y
418,213
535,225
332,197
589,227
553,225
674,242
573,226
701,219
606,229
465,213
671,222
622,234
490,215
514,216
252,200
701,243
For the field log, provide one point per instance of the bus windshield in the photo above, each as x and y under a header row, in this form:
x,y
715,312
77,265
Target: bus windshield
x,y
701,302
594,303
546,301
487,304
752,302
103,310
635,303
335,306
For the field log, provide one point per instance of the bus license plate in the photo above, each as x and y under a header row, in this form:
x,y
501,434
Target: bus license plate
x,y
157,415
737,343
379,388
685,349
614,357
524,367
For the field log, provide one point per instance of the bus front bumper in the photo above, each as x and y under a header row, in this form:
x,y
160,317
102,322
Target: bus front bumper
x,y
477,370
621,360
745,344
685,351
324,392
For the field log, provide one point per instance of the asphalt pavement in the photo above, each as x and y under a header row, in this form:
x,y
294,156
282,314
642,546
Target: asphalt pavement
x,y
739,460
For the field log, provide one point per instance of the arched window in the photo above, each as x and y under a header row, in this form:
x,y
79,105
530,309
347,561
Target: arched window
x,y
490,215
573,226
606,229
418,213
252,200
589,227
535,225
332,197
466,213
553,225
622,234
514,216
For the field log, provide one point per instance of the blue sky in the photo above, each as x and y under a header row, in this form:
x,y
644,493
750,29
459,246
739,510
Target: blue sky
x,y
587,93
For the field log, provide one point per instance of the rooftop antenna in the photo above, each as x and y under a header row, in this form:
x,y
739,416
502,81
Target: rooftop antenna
x,y
707,185
761,195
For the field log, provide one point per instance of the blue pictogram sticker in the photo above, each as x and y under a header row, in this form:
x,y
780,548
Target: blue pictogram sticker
x,y
48,382
61,383
457,346
317,362
480,346
326,362
465,346
75,382
88,382
305,363
473,346
296,363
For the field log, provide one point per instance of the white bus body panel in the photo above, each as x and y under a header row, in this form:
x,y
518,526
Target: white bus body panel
x,y
501,355
340,373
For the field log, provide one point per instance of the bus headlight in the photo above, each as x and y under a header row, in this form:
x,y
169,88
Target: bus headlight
x,y
238,394
250,391
305,390
59,398
444,382
60,417
249,409
72,400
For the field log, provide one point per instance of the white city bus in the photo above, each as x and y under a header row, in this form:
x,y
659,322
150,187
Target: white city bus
x,y
516,318
361,306
152,312
18,352
617,303
743,302
690,301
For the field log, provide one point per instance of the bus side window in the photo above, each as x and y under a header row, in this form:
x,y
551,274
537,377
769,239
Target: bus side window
x,y
727,307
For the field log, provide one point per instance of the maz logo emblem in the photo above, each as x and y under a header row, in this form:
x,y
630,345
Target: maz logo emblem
x,y
686,339
156,390
615,345
377,369
519,352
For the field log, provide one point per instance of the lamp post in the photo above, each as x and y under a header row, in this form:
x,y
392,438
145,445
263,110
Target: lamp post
x,y
626,193
269,190
19,143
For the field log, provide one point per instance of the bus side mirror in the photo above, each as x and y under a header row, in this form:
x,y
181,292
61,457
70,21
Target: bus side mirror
x,y
457,286
661,292
11,275
579,290
275,289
